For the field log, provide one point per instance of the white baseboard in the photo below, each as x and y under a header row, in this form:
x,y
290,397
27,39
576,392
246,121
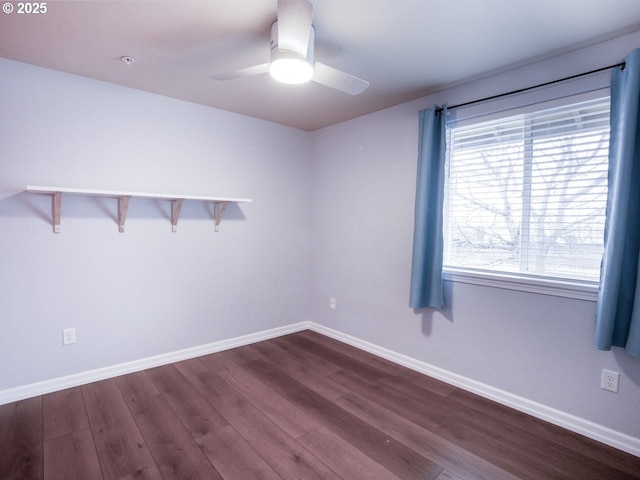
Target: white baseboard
x,y
82,378
579,425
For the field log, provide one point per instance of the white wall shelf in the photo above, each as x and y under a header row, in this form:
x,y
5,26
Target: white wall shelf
x,y
219,203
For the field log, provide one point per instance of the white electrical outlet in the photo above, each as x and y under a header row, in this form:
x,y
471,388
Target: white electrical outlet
x,y
610,380
332,303
68,336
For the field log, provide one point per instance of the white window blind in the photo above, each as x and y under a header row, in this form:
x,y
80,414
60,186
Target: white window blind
x,y
526,195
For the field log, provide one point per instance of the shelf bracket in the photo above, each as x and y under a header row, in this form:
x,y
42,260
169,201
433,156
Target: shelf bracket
x,y
176,206
56,204
123,205
218,211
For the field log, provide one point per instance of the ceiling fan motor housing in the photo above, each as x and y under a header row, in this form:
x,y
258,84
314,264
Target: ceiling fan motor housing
x,y
277,53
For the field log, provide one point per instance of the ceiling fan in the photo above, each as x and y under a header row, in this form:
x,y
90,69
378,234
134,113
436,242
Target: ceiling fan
x,y
292,60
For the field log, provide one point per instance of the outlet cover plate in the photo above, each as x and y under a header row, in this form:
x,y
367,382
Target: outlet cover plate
x,y
68,336
610,380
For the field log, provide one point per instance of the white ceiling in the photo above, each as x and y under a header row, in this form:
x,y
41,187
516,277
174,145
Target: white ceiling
x,y
406,49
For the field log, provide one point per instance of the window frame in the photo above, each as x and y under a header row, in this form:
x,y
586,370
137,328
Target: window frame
x,y
588,89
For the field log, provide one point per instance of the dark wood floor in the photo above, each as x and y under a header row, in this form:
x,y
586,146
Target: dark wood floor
x,y
301,406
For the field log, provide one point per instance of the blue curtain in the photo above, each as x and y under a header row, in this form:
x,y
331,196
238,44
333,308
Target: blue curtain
x,y
426,268
618,310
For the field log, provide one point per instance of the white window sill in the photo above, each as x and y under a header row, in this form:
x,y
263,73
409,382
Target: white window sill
x,y
581,290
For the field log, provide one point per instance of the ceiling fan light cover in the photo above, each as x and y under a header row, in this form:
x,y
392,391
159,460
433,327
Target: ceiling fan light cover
x,y
291,70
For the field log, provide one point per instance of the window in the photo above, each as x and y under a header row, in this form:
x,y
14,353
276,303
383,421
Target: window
x,y
526,195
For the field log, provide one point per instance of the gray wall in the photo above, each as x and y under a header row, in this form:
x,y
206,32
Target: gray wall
x,y
147,291
534,346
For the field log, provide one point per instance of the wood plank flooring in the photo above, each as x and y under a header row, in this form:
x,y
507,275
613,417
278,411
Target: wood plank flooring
x,y
302,406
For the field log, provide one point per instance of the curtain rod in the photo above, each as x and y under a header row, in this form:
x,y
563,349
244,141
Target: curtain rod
x,y
621,65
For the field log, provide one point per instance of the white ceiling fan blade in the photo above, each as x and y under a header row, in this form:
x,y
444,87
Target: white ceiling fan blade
x,y
294,25
333,78
243,72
